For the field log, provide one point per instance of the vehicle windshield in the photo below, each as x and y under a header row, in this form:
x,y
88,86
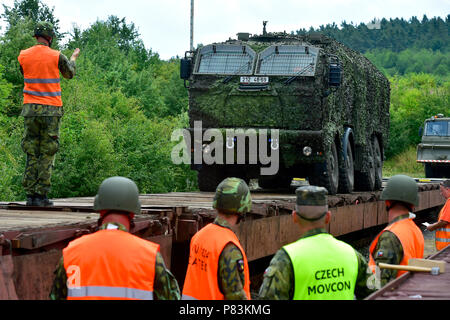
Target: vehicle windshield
x,y
437,128
226,59
288,60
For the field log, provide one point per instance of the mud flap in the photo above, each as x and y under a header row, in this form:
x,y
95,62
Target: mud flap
x,y
7,288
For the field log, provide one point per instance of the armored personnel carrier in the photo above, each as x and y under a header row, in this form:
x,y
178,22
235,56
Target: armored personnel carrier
x,y
325,106
434,150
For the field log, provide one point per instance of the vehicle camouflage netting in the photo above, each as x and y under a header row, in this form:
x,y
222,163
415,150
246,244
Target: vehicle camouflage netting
x,y
307,103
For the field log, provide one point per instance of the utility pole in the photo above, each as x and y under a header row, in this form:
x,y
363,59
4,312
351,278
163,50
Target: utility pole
x,y
192,25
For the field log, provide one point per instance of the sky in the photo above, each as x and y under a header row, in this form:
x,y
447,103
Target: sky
x,y
164,25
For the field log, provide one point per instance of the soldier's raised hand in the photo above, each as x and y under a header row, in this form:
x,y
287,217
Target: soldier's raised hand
x,y
75,54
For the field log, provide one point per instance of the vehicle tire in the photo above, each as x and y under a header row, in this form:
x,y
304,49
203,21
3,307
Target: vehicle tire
x,y
429,172
327,174
378,162
435,171
365,180
209,177
346,170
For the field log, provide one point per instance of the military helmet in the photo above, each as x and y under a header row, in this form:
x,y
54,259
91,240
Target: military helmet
x,y
233,196
118,193
401,188
44,29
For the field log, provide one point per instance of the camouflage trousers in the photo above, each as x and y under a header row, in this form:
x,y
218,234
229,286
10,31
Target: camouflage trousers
x,y
40,143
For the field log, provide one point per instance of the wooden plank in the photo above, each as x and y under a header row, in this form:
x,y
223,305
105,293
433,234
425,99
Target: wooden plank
x,y
424,200
382,215
7,289
19,219
436,199
33,274
165,243
288,230
347,219
254,239
428,263
370,214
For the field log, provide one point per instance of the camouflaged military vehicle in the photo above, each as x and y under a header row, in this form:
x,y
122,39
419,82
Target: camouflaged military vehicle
x,y
328,104
434,150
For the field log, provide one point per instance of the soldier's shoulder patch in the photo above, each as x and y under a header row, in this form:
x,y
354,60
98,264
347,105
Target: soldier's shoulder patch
x,y
379,254
240,265
269,272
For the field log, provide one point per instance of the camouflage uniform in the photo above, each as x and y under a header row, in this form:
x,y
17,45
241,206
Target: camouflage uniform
x,y
41,137
231,269
165,286
278,283
389,250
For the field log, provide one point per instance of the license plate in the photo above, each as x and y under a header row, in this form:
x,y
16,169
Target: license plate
x,y
254,80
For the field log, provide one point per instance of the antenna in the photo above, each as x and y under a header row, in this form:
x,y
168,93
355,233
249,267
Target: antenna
x,y
192,25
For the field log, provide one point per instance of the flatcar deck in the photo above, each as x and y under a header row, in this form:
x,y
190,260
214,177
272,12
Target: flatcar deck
x,y
419,285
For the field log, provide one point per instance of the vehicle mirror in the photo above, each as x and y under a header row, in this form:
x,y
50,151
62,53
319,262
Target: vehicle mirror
x,y
420,131
335,74
185,68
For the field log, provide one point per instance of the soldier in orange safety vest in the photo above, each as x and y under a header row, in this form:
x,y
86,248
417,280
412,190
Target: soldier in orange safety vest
x,y
112,263
442,226
401,240
218,267
42,110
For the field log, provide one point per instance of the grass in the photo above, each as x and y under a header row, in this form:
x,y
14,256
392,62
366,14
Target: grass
x,y
404,163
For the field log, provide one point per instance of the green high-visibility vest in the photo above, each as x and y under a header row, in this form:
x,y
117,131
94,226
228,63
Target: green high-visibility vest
x,y
324,268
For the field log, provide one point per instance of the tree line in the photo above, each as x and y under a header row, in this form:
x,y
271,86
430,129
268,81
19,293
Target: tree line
x,y
394,34
397,46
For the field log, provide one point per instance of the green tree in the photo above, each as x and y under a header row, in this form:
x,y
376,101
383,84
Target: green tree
x,y
32,9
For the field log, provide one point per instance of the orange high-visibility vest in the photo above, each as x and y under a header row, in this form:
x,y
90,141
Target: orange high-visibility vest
x,y
110,265
202,282
41,75
410,237
443,234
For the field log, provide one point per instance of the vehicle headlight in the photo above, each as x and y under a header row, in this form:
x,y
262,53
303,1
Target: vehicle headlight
x,y
307,151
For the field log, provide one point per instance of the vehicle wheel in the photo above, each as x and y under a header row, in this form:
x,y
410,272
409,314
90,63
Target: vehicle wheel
x,y
209,178
434,171
429,172
327,174
365,180
378,162
346,170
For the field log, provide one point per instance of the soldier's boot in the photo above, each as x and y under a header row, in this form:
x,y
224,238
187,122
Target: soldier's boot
x,y
43,201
